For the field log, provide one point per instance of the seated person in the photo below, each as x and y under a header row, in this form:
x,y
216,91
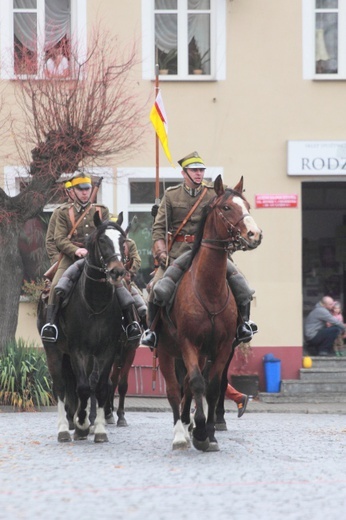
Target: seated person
x,y
321,328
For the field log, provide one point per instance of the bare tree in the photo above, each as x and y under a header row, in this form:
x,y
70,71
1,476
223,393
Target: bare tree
x,y
63,125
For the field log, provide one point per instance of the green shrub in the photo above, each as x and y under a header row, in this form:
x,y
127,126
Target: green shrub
x,y
25,382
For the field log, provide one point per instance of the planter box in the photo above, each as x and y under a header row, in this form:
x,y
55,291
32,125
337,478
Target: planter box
x,y
246,384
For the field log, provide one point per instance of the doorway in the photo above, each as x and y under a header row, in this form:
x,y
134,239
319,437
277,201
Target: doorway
x,y
324,242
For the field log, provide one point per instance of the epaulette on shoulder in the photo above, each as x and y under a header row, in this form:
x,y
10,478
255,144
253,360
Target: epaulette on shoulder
x,y
96,204
174,187
66,205
208,185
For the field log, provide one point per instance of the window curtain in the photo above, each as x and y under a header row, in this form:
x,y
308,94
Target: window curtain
x,y
57,23
166,28
57,18
326,47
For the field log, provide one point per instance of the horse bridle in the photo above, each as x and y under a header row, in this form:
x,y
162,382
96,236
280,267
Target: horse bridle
x,y
104,262
234,240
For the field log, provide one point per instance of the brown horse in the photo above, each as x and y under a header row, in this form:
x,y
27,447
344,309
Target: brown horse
x,y
201,325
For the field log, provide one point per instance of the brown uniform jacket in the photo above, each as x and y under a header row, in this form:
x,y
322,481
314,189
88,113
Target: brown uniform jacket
x,y
64,225
177,202
52,250
134,260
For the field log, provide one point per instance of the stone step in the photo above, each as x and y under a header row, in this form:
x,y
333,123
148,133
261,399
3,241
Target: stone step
x,y
323,374
298,387
328,362
307,398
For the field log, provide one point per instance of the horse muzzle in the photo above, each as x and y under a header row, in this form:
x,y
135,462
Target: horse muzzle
x,y
250,241
115,272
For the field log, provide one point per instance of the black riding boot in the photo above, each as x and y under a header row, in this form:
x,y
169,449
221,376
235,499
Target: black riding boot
x,y
247,328
149,337
132,328
49,331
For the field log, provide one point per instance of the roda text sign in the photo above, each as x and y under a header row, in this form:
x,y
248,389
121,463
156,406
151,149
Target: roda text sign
x,y
316,158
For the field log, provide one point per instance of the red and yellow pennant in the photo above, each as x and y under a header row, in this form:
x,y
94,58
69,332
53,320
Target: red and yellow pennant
x,y
159,120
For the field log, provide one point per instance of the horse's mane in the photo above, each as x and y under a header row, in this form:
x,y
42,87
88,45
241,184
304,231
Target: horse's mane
x,y
206,210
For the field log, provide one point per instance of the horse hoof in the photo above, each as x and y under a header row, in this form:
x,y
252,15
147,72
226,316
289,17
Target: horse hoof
x,y
101,437
64,437
92,429
110,419
213,446
122,422
81,435
221,426
180,445
201,445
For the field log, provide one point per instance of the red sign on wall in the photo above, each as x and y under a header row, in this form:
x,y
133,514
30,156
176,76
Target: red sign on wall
x,y
276,201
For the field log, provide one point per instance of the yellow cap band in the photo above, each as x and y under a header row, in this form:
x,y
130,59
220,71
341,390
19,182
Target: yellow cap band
x,y
192,160
68,185
80,180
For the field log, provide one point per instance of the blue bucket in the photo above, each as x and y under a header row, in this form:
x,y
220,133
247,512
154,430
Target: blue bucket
x,y
272,372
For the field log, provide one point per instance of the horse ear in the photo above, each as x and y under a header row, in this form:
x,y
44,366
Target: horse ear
x,y
218,186
120,218
97,220
239,186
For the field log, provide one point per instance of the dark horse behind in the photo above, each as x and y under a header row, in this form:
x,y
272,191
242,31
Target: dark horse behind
x,y
90,328
201,326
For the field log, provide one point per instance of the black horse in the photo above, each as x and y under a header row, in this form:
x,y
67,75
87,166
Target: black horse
x,y
90,328
123,361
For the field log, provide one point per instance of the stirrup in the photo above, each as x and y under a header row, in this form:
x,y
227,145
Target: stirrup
x,y
253,326
149,339
136,333
49,332
246,335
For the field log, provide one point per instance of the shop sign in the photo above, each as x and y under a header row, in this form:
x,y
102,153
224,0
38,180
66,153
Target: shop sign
x,y
276,201
316,158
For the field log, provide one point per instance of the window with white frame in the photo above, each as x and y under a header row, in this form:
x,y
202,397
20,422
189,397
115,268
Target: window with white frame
x,y
41,37
324,39
186,39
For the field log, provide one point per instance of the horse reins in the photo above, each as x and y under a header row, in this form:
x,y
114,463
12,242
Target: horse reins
x,y
234,239
103,268
226,245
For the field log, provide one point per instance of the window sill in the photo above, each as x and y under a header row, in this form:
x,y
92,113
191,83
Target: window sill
x,y
328,77
190,78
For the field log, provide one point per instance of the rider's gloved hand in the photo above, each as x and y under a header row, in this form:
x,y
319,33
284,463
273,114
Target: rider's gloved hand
x,y
162,258
154,210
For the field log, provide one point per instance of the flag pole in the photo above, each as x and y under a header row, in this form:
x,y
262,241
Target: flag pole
x,y
157,156
157,202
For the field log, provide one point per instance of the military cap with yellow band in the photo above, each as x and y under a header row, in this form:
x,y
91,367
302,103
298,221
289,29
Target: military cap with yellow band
x,y
81,181
193,160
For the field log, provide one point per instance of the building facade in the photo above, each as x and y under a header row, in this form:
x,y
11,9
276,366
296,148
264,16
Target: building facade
x,y
257,88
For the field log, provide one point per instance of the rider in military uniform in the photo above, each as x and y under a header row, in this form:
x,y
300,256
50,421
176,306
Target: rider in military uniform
x,y
174,208
132,265
74,248
52,250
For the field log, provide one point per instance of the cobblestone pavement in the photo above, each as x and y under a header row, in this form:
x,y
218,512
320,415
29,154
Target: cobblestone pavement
x,y
270,467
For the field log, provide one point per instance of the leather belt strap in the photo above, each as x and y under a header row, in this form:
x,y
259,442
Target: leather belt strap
x,y
194,207
185,238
